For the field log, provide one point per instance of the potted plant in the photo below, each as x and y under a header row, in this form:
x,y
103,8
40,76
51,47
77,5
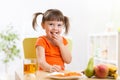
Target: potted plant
x,y
8,45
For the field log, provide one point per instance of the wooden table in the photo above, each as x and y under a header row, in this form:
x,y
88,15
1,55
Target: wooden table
x,y
41,75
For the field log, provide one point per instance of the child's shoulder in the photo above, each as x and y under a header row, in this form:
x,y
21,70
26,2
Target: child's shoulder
x,y
65,41
41,38
64,38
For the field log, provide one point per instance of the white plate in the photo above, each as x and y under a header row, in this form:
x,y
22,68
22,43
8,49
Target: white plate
x,y
52,75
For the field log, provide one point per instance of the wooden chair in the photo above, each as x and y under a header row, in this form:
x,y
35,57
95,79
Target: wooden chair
x,y
29,47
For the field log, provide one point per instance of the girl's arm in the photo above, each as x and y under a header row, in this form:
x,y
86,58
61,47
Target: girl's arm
x,y
65,52
40,53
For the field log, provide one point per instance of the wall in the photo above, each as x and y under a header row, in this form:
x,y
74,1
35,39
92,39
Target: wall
x,y
86,17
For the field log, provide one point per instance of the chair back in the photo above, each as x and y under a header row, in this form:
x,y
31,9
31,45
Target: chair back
x,y
29,47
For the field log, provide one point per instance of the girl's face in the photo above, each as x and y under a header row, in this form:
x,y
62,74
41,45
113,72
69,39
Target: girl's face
x,y
53,28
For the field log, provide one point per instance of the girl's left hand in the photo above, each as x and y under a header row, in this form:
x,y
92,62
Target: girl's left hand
x,y
55,68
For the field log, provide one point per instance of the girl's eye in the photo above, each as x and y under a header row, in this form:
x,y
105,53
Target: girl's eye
x,y
59,25
50,24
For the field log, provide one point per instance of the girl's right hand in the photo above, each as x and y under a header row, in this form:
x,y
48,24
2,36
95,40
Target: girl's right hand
x,y
55,68
57,39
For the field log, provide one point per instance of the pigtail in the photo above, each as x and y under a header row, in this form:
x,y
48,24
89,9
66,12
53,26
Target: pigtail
x,y
34,22
67,24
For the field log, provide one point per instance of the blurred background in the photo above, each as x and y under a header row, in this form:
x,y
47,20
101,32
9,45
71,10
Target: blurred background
x,y
86,17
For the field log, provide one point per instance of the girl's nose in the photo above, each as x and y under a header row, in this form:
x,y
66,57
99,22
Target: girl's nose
x,y
55,27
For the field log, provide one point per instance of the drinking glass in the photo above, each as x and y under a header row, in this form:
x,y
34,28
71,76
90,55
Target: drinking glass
x,y
29,69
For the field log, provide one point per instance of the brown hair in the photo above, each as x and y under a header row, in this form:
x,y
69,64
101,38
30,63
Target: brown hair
x,y
52,15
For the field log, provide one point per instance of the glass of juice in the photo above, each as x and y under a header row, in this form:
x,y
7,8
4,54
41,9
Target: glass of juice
x,y
30,67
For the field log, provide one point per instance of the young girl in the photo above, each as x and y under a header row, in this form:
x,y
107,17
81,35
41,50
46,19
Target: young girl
x,y
52,49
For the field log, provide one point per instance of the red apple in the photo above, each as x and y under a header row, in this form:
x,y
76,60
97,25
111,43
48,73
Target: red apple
x,y
101,71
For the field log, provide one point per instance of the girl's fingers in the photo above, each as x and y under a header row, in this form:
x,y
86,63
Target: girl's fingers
x,y
55,68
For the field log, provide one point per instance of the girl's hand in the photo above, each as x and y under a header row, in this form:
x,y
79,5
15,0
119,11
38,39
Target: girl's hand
x,y
57,39
55,68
